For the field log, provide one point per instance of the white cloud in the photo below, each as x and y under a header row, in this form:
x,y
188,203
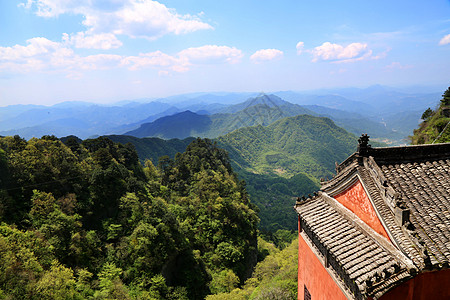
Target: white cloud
x,y
102,41
99,61
396,65
135,18
209,54
36,55
266,55
35,46
300,46
339,53
155,59
445,40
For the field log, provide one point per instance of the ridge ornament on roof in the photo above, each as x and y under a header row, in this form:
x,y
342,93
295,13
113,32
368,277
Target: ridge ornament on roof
x,y
363,144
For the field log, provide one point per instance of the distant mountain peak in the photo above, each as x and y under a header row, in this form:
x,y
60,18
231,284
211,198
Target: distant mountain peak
x,y
262,100
269,100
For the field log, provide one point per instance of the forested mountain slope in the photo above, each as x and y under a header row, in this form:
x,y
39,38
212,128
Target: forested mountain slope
x,y
180,125
435,127
285,160
87,220
301,144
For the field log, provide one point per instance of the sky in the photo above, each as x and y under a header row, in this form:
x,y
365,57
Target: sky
x,y
109,50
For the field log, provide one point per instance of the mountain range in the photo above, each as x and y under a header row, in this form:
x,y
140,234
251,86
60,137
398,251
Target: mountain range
x,y
262,110
375,110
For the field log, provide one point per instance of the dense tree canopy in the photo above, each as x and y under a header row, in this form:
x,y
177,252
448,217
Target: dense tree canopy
x,y
86,220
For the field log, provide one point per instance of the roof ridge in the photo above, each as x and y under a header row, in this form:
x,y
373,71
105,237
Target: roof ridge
x,y
408,244
412,146
408,153
375,236
344,174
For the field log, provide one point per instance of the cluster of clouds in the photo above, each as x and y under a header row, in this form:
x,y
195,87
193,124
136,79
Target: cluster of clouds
x,y
107,21
42,54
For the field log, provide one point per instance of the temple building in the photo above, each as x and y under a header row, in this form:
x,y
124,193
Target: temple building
x,y
380,228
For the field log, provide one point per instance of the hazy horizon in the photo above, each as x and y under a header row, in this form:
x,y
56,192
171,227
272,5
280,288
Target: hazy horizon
x,y
174,98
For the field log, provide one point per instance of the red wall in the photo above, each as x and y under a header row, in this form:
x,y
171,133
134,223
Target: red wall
x,y
430,285
355,199
313,274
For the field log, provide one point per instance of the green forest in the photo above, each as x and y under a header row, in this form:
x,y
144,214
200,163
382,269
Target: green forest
x,y
86,220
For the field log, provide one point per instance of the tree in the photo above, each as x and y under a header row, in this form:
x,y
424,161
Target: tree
x,y
57,283
110,284
107,186
56,226
24,256
224,282
446,97
427,114
94,223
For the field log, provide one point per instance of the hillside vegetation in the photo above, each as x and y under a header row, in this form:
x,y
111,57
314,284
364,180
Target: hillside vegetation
x,y
435,127
275,197
285,160
274,278
301,144
88,221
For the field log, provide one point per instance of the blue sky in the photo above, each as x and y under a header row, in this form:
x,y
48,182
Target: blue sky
x,y
104,51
